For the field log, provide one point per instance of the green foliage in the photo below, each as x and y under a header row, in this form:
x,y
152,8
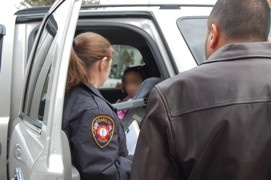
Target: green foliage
x,y
87,2
50,2
40,2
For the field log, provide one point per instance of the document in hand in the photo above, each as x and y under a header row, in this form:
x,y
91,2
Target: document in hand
x,y
132,134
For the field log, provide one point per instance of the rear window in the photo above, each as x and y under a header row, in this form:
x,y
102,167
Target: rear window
x,y
194,32
125,56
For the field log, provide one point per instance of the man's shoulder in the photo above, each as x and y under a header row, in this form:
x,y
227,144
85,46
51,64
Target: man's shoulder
x,y
183,78
195,89
215,83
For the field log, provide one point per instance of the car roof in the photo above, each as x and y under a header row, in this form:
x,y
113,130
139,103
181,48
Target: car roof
x,y
40,11
151,2
105,4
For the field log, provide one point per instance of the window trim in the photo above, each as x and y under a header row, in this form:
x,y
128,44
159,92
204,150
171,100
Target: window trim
x,y
35,105
34,50
44,40
31,39
34,124
39,67
34,72
2,34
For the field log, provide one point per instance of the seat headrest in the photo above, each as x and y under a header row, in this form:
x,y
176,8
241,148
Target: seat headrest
x,y
146,87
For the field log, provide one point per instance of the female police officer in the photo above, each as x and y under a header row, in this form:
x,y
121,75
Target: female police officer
x,y
97,140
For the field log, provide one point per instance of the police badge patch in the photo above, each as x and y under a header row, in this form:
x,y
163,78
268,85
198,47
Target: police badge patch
x,y
102,130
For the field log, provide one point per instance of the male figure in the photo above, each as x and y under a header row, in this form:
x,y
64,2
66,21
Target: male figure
x,y
214,121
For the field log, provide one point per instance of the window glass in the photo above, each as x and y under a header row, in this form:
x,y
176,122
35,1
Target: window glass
x,y
43,97
37,86
194,31
125,56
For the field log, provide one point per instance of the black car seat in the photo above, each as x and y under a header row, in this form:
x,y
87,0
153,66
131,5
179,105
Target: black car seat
x,y
143,93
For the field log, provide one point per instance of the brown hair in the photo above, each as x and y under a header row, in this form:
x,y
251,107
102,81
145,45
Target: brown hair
x,y
88,48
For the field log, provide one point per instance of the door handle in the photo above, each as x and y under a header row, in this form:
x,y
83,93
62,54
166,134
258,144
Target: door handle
x,y
18,175
0,149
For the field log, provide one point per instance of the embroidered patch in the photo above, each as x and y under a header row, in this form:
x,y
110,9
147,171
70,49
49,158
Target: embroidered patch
x,y
102,130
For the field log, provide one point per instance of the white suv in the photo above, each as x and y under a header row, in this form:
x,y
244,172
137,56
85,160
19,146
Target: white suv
x,y
164,39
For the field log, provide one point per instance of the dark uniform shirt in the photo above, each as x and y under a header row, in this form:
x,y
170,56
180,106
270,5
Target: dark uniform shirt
x,y
97,140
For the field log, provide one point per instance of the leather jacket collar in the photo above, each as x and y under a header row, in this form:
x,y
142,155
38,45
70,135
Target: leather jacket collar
x,y
231,52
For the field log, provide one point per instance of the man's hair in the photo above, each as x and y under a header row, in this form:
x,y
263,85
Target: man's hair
x,y
242,19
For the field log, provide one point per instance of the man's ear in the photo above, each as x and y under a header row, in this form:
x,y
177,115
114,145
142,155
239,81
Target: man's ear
x,y
214,36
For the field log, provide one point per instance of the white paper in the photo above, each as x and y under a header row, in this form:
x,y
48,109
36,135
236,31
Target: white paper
x,y
132,134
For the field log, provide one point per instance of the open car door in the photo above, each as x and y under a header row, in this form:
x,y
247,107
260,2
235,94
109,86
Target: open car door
x,y
38,148
4,110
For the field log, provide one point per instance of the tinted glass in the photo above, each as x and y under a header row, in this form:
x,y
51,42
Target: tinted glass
x,y
125,56
43,97
194,31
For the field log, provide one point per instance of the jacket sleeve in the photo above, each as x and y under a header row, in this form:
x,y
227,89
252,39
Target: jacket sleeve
x,y
154,156
93,162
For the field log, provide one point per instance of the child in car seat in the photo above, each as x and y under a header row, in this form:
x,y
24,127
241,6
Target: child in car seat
x,y
131,81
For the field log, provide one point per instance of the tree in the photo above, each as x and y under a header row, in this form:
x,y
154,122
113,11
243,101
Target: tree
x,y
39,2
88,2
50,2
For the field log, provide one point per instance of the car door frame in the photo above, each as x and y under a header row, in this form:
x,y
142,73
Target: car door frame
x,y
48,142
3,120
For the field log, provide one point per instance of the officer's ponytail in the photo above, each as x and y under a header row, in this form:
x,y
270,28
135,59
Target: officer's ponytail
x,y
76,72
87,49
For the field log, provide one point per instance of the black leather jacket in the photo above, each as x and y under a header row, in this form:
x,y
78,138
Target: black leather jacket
x,y
212,122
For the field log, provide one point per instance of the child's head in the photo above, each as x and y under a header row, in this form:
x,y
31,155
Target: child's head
x,y
132,79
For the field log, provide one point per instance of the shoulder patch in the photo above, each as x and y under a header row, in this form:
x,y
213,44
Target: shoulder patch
x,y
102,130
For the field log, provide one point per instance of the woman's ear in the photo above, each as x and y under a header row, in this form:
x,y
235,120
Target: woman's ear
x,y
104,59
102,64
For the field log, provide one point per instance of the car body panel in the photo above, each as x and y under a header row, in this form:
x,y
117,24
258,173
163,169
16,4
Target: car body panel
x,y
183,59
5,90
41,152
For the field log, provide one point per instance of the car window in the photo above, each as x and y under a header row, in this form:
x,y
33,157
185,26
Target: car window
x,y
43,97
125,56
2,34
37,85
194,31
